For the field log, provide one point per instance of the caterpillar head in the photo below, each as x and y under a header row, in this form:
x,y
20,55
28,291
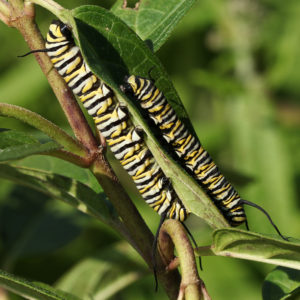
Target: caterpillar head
x,y
60,30
130,86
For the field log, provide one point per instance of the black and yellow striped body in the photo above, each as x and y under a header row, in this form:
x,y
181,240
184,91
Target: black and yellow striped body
x,y
188,148
112,120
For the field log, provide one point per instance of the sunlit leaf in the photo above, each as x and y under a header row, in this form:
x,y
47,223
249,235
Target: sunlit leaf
x,y
253,246
153,21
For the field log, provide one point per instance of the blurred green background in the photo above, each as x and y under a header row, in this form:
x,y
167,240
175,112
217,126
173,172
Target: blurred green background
x,y
236,66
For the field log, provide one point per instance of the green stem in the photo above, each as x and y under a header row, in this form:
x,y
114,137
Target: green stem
x,y
191,285
17,5
50,5
71,157
4,11
50,129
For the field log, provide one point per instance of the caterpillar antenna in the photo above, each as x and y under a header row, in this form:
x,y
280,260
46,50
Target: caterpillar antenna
x,y
34,51
246,224
194,242
266,214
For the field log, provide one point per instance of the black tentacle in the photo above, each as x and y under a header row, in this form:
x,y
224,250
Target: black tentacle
x,y
242,201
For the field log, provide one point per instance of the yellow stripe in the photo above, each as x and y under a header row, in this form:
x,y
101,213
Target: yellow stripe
x,y
74,74
89,83
142,83
160,201
172,210
192,162
163,113
152,184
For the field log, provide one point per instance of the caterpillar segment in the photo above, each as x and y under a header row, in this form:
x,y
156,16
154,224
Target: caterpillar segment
x,y
112,120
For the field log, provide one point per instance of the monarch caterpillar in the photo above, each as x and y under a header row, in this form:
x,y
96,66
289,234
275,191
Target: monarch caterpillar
x,y
112,120
188,148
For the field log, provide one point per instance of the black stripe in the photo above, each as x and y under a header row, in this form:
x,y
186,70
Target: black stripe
x,y
137,82
69,61
158,112
52,35
155,102
146,89
126,146
81,80
111,124
49,50
189,147
168,130
146,182
94,87
208,174
98,100
221,184
140,163
154,196
136,166
200,162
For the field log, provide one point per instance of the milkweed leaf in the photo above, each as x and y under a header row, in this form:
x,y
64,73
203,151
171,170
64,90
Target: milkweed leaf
x,y
63,188
32,290
153,21
16,145
257,247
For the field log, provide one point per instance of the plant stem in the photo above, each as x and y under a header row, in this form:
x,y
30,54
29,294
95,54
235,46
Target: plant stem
x,y
71,157
50,5
40,123
191,286
4,11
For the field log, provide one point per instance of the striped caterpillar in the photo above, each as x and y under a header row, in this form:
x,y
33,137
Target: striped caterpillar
x,y
192,156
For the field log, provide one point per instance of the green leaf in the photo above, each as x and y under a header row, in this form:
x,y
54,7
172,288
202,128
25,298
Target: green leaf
x,y
30,226
153,21
66,189
112,51
282,283
102,275
61,167
10,138
30,290
16,145
253,246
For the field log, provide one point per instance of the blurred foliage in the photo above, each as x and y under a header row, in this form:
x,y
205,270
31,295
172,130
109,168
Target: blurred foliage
x,y
236,66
